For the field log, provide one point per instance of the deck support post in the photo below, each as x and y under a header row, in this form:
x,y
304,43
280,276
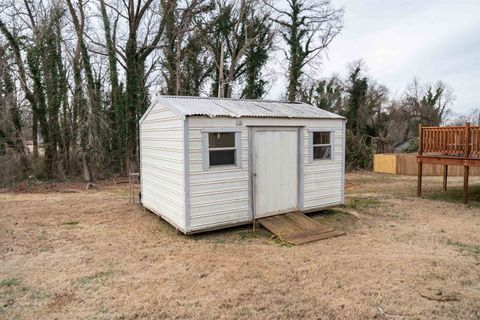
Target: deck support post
x,y
419,179
466,168
445,176
419,161
466,171
449,146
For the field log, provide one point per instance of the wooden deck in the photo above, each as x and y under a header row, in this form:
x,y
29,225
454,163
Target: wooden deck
x,y
296,228
449,146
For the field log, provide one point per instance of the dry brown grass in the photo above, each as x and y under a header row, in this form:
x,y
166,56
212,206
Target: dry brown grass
x,y
91,255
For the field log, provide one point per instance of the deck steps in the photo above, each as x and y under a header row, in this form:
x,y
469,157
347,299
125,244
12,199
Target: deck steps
x,y
296,228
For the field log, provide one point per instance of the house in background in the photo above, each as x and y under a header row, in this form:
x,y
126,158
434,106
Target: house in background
x,y
210,163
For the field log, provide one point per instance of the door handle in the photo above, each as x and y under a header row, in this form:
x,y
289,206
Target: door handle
x,y
254,174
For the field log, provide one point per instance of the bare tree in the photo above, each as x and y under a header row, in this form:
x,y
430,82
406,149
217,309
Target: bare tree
x,y
180,22
237,28
117,148
243,36
428,103
146,25
89,109
307,27
472,117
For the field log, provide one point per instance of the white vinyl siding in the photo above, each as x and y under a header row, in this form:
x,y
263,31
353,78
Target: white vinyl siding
x,y
323,178
218,194
162,165
220,197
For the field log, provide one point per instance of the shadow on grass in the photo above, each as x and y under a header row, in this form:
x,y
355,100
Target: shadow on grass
x,y
455,195
232,234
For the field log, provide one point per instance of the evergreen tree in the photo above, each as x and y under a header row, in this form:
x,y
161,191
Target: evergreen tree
x,y
255,59
357,93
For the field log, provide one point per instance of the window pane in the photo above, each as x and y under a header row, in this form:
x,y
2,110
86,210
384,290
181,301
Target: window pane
x,y
221,139
322,152
321,138
222,157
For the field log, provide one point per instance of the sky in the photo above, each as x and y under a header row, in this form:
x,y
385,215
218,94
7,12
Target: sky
x,y
431,39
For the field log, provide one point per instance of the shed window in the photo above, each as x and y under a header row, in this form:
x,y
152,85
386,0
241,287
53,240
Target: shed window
x,y
221,148
321,146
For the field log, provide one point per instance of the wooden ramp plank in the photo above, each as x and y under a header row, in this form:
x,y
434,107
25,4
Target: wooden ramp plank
x,y
278,225
297,228
311,235
302,221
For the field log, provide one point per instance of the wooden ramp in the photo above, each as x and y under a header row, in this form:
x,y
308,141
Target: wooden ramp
x,y
297,228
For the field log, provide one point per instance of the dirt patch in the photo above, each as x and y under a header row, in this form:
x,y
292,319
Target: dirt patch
x,y
91,255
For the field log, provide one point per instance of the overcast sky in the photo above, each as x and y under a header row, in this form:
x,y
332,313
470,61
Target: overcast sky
x,y
431,39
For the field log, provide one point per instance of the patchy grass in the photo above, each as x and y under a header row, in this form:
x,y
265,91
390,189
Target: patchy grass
x,y
363,203
9,282
366,177
331,215
42,236
249,234
246,235
71,223
219,241
98,278
124,262
337,219
455,195
465,247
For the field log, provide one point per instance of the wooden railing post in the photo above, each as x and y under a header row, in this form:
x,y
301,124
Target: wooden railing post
x,y
419,160
420,142
467,140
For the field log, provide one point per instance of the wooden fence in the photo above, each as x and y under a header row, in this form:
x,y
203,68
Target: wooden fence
x,y
406,164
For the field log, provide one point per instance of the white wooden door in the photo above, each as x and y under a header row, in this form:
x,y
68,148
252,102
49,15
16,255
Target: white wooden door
x,y
275,171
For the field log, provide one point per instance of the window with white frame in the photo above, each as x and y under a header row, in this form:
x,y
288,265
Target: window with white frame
x,y
221,148
321,145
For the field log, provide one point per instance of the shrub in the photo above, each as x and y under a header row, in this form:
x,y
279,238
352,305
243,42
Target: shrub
x,y
359,151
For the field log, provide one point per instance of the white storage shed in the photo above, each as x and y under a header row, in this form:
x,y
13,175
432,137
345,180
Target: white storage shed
x,y
210,163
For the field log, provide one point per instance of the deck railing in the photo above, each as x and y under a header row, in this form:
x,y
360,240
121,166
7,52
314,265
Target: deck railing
x,y
451,141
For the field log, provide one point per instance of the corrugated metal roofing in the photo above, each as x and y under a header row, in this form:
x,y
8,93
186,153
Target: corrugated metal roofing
x,y
237,108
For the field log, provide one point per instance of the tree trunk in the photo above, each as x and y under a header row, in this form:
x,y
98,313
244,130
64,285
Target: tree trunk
x,y
133,100
220,73
178,61
230,78
118,124
294,69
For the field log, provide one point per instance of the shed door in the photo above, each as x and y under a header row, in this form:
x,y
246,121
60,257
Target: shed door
x,y
275,171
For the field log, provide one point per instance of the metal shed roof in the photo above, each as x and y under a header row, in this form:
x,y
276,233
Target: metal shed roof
x,y
237,108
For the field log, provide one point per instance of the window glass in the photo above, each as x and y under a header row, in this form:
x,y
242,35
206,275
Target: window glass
x,y
322,152
221,149
321,138
221,157
321,145
221,140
